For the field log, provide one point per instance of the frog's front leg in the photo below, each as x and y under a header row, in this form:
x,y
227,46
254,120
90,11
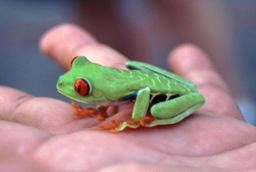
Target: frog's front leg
x,y
81,112
141,104
174,110
139,112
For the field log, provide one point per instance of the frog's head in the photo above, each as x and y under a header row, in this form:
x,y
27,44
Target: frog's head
x,y
78,82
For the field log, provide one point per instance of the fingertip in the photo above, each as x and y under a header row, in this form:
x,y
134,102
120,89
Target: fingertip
x,y
43,46
187,57
47,37
60,41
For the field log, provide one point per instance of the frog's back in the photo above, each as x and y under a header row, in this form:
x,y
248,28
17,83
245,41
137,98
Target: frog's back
x,y
162,84
135,65
136,79
159,79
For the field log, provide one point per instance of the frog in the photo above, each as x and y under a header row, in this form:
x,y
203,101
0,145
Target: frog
x,y
159,97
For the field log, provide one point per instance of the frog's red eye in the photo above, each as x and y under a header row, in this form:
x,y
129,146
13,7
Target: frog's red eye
x,y
82,87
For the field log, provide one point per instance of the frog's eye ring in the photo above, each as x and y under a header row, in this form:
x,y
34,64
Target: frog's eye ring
x,y
82,87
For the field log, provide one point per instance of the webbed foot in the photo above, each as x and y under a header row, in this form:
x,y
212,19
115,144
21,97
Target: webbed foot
x,y
117,126
111,126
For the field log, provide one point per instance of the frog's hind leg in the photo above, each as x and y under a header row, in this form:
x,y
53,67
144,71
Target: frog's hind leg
x,y
175,110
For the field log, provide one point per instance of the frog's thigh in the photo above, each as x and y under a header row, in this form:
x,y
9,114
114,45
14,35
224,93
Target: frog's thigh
x,y
174,110
141,104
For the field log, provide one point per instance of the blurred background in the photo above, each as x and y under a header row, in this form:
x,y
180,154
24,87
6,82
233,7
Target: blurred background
x,y
142,30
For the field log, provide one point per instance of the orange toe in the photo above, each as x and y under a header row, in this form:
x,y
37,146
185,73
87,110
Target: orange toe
x,y
146,120
79,111
111,126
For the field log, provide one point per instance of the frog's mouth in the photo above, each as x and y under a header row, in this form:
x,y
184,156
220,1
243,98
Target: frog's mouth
x,y
70,97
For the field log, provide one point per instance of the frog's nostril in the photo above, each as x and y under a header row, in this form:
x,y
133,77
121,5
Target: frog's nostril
x,y
61,84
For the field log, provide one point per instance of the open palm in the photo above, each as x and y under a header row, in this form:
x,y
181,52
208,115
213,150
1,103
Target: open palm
x,y
41,133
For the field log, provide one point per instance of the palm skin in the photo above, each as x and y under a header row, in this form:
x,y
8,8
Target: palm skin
x,y
42,133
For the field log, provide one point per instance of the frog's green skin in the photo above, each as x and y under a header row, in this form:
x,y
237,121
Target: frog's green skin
x,y
144,82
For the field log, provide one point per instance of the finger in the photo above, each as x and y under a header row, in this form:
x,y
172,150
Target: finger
x,y
62,43
45,113
193,64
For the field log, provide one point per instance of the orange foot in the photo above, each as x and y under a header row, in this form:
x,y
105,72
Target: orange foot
x,y
146,120
111,126
142,121
131,123
79,111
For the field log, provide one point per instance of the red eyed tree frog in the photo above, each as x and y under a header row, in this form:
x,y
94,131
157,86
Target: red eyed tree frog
x,y
167,97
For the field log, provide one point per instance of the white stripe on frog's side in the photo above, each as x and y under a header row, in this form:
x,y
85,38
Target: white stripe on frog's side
x,y
109,103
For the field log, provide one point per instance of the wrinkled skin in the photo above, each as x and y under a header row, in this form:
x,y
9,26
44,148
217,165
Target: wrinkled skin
x,y
41,133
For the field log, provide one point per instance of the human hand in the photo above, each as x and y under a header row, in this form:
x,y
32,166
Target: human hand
x,y
42,132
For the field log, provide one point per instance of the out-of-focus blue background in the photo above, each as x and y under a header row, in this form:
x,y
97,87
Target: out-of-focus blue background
x,y
22,65
22,23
